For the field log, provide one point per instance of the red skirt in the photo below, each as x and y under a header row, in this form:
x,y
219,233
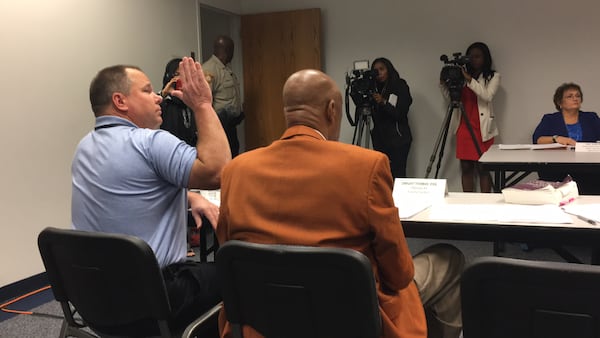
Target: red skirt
x,y
465,145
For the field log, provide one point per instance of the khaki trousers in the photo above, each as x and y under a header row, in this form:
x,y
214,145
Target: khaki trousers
x,y
437,275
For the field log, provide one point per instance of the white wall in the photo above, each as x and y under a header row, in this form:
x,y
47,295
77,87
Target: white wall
x,y
233,6
50,52
536,45
52,49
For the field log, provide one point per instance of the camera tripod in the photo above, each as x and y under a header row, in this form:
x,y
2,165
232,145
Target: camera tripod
x,y
440,142
363,123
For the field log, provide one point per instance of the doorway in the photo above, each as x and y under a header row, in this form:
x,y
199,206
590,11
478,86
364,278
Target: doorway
x,y
275,46
268,48
215,22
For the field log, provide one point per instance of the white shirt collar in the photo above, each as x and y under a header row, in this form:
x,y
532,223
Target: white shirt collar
x,y
318,132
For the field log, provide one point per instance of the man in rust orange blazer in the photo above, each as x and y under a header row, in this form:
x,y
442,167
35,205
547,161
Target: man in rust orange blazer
x,y
307,189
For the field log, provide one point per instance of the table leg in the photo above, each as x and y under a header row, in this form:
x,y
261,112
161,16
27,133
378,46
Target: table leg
x,y
595,256
498,248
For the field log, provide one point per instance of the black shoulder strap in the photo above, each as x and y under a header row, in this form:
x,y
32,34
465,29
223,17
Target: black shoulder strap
x,y
109,126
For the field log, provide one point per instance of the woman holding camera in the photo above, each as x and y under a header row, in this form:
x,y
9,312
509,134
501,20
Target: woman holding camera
x,y
391,133
178,119
481,84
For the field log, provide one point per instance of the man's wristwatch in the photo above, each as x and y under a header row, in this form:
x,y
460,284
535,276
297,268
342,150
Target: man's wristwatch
x,y
555,138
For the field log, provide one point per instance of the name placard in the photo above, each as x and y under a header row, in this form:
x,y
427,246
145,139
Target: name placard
x,y
412,195
434,189
587,147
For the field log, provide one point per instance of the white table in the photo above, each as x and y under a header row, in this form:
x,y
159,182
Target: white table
x,y
578,233
522,162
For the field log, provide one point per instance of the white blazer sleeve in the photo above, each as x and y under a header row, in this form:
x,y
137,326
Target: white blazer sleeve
x,y
485,91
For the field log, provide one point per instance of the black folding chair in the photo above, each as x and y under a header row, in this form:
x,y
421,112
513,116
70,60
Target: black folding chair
x,y
112,281
297,291
506,297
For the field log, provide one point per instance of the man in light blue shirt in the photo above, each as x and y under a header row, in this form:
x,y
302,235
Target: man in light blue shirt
x,y
130,177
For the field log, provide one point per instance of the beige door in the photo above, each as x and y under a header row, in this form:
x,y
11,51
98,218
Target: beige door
x,y
275,45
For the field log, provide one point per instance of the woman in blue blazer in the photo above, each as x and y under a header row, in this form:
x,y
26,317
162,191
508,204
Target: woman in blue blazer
x,y
568,126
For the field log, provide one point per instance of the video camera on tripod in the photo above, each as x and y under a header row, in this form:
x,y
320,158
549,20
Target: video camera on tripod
x,y
453,78
361,84
452,74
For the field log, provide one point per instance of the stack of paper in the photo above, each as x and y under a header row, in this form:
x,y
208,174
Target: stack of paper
x,y
542,192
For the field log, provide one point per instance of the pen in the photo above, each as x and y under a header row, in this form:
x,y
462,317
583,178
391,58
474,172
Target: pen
x,y
590,221
585,219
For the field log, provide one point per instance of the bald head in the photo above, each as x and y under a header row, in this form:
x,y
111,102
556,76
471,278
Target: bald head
x,y
312,98
223,48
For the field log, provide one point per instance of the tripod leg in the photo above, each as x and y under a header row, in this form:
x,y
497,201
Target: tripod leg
x,y
443,133
443,146
364,115
355,132
361,126
470,128
368,134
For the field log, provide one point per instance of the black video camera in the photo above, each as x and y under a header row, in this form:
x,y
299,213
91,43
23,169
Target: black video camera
x,y
452,74
362,83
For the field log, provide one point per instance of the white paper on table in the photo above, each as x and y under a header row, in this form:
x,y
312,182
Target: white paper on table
x,y
409,208
531,146
587,147
584,211
514,146
504,213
